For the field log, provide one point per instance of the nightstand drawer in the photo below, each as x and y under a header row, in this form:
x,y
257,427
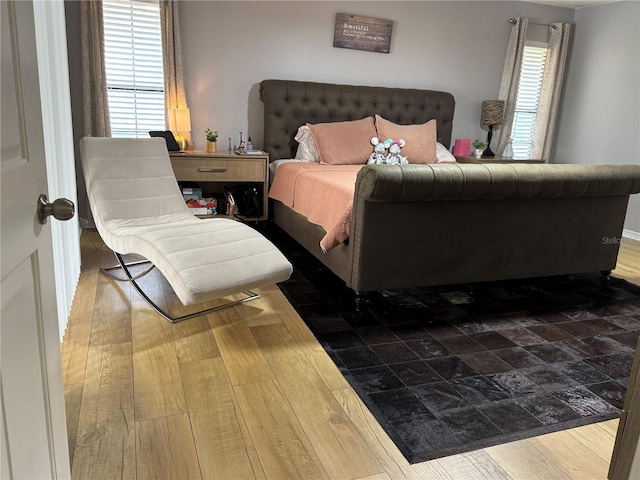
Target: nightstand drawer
x,y
215,170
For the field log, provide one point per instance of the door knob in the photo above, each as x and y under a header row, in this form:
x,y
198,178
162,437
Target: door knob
x,y
61,209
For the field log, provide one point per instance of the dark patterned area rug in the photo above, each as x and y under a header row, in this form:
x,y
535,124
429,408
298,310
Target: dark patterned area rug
x,y
455,368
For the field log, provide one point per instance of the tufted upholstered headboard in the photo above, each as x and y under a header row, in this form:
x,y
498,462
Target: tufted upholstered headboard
x,y
291,104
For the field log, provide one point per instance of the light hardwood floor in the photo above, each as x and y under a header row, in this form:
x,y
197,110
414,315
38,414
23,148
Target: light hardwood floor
x,y
249,393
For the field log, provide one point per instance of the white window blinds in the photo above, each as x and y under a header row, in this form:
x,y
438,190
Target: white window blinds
x,y
528,99
133,62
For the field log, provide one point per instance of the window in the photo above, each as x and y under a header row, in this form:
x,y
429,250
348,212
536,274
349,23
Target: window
x,y
133,62
528,100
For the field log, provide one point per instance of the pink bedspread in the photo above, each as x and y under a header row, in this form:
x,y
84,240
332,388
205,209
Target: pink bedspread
x,y
322,193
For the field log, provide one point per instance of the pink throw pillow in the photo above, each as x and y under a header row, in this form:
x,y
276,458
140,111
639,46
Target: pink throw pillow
x,y
344,143
420,146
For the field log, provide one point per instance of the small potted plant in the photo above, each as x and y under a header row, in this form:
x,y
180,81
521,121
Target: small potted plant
x,y
212,139
478,147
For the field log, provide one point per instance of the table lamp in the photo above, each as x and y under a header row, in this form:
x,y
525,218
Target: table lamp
x,y
492,113
182,126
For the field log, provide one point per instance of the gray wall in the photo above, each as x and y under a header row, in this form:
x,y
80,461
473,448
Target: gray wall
x,y
229,47
599,120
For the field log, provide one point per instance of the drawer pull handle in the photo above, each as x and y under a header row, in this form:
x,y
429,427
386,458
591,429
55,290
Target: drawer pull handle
x,y
212,170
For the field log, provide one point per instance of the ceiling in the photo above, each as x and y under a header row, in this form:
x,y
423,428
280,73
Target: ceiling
x,y
572,3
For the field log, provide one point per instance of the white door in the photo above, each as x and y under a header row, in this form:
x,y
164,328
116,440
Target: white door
x,y
33,436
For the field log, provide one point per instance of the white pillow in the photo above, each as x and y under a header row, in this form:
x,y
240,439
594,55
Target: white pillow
x,y
307,150
443,155
273,167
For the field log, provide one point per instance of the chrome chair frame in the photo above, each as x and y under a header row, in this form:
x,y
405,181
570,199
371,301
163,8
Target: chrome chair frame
x,y
132,279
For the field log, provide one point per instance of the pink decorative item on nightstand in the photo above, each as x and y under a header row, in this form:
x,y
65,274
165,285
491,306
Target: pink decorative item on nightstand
x,y
462,147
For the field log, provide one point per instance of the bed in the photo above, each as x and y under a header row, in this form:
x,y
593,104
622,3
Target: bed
x,y
418,225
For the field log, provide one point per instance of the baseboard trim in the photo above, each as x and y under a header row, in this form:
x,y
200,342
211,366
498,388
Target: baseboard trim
x,y
631,234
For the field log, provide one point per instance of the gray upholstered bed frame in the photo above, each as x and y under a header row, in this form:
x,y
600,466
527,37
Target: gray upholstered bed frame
x,y
418,225
290,104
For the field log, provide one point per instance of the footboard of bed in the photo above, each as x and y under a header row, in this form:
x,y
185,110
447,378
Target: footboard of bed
x,y
420,225
444,224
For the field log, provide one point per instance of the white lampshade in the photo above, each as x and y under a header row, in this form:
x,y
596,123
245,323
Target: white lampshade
x,y
181,119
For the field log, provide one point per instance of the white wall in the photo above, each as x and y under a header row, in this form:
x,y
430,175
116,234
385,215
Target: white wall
x,y
599,121
58,141
230,47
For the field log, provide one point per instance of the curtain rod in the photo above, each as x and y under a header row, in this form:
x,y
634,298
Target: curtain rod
x,y
553,27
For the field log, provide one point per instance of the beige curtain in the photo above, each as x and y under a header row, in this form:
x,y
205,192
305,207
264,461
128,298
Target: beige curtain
x,y
510,78
95,103
551,89
174,95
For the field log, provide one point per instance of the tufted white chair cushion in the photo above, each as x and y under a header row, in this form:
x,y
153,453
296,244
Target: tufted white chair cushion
x,y
138,208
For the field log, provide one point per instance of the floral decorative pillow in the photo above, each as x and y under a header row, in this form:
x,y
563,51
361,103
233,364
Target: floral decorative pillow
x,y
443,155
307,150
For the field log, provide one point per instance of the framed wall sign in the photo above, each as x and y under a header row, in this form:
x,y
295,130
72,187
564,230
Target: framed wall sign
x,y
362,33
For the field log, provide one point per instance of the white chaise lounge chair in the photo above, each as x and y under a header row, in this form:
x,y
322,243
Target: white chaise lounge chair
x,y
138,208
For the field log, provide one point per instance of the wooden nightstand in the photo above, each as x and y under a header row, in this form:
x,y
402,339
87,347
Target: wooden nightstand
x,y
214,170
496,160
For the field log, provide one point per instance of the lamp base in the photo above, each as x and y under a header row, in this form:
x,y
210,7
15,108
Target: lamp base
x,y
182,141
487,152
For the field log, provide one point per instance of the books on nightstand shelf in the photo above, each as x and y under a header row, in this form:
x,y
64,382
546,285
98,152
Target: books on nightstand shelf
x,y
204,206
198,205
199,211
192,193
